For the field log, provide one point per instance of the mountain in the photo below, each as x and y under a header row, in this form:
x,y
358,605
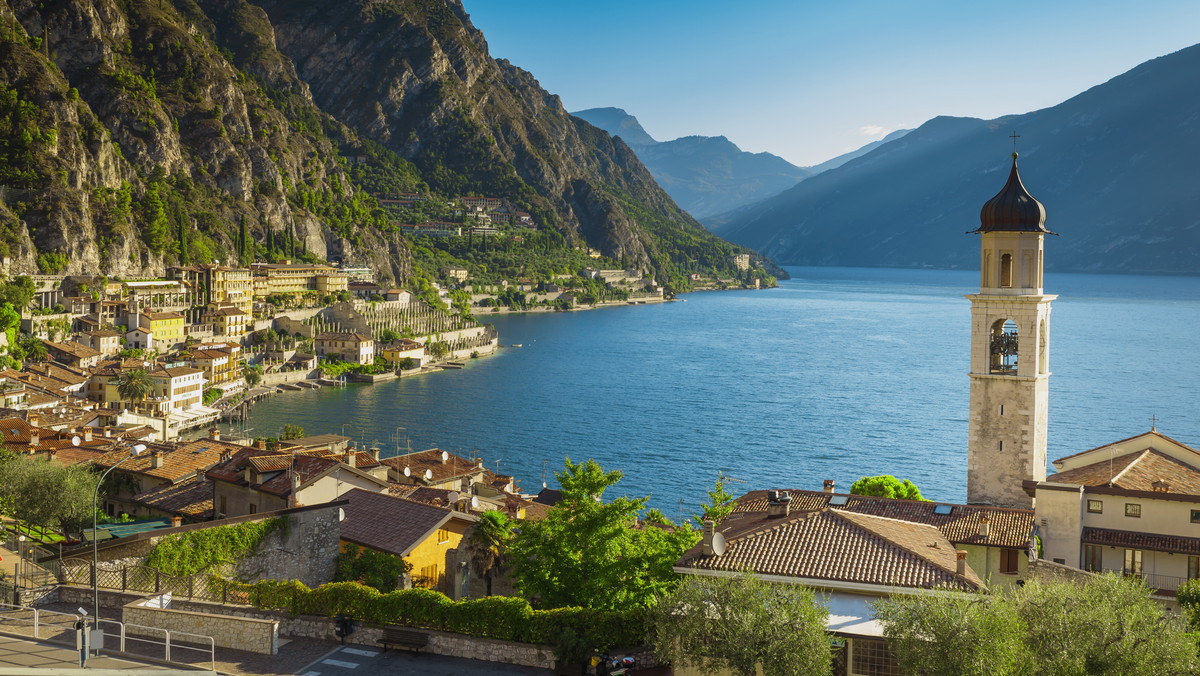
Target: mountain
x,y
838,161
704,174
143,134
618,123
1114,166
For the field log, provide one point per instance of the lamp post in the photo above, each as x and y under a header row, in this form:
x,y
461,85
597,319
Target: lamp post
x,y
134,451
20,555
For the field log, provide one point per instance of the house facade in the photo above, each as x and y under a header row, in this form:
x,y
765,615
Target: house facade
x,y
349,346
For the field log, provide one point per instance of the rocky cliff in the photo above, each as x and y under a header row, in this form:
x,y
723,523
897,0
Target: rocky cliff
x,y
144,133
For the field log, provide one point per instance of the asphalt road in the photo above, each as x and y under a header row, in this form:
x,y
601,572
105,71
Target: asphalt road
x,y
361,661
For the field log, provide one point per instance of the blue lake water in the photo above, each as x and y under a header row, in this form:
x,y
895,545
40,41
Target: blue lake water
x,y
837,374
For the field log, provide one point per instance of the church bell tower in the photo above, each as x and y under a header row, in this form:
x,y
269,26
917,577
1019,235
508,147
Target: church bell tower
x,y
1010,349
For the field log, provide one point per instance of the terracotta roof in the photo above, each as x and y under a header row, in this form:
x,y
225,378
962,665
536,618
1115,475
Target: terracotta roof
x,y
431,459
960,524
162,315
839,546
177,371
105,333
1146,470
192,498
1127,539
276,477
403,344
343,335
177,462
74,455
1152,434
77,350
392,525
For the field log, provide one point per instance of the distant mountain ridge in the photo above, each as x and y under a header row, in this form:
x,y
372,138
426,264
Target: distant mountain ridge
x,y
705,175
1115,167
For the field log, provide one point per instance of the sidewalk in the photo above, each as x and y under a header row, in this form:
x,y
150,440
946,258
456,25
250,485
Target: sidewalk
x,y
21,655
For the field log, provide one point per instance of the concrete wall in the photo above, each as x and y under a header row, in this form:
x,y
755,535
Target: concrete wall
x,y
1061,512
272,379
305,550
985,561
240,633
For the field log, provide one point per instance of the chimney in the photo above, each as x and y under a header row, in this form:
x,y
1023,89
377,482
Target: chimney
x,y
829,485
248,474
156,460
352,458
176,521
961,557
214,434
985,526
779,503
107,433
226,455
260,444
32,418
35,437
706,544
52,455
375,454
87,434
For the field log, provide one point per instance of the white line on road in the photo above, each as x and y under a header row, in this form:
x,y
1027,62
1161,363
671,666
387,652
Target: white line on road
x,y
339,663
360,653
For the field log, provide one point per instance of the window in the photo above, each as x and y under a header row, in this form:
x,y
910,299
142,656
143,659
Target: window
x,y
1008,561
253,509
1097,506
443,536
1093,558
1133,509
1196,516
1133,562
1193,567
224,511
1006,269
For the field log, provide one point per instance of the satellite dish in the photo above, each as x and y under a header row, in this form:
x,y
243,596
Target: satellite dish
x,y
428,474
75,441
718,544
342,515
453,496
474,502
445,456
407,472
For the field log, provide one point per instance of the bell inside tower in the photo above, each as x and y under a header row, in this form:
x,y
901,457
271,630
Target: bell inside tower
x,y
1004,345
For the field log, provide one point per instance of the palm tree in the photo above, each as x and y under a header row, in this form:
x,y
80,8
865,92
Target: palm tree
x,y
133,385
487,544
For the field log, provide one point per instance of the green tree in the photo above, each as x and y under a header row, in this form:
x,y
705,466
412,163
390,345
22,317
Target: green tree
x,y
18,292
34,349
291,431
9,318
253,375
592,553
154,219
133,385
367,566
487,545
886,486
738,623
720,502
48,494
1106,624
388,336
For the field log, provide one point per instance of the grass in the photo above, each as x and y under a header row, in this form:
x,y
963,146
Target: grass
x,y
45,535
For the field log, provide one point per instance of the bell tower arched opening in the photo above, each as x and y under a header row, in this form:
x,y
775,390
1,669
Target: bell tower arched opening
x,y
1004,347
1006,270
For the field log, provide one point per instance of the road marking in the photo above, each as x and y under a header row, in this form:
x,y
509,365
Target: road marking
x,y
360,653
339,663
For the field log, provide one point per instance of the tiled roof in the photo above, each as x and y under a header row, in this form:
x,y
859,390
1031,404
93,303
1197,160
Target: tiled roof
x,y
1151,435
343,335
162,315
392,525
177,462
74,455
1145,470
838,546
1009,527
177,371
278,469
192,498
77,350
417,463
551,496
1127,539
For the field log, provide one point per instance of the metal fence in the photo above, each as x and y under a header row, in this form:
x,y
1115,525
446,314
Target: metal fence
x,y
43,623
199,587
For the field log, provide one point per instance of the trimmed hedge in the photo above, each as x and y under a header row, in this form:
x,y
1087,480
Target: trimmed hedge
x,y
499,617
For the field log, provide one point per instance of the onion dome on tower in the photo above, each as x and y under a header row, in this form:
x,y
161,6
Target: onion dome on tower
x,y
1013,209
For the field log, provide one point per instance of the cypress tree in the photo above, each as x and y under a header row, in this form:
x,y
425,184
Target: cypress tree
x,y
241,241
183,243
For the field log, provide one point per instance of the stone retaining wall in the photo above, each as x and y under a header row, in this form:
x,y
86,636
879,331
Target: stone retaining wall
x,y
241,633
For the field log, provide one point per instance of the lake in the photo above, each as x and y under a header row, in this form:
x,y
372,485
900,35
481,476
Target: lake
x,y
836,374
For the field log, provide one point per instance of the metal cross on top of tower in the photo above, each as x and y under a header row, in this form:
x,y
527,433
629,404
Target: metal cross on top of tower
x,y
1154,422
1014,137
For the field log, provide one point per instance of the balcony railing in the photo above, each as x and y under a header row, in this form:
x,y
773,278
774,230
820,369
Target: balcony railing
x,y
1161,583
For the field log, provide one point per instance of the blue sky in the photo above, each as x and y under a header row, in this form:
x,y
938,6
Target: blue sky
x,y
810,80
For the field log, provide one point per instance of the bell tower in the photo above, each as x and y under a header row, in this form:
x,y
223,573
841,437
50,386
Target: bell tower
x,y
1010,349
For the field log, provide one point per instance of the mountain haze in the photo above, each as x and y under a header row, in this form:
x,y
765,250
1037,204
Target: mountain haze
x,y
704,174
1115,167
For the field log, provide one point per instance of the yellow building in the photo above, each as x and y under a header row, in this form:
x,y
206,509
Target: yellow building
x,y
402,349
291,278
217,283
166,327
423,535
228,322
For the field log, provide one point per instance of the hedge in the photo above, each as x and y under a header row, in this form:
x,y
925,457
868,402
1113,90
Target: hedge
x,y
499,617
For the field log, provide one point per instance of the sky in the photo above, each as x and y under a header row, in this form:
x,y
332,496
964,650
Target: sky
x,y
811,80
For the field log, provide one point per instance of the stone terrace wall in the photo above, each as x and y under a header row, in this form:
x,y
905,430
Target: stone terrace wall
x,y
306,550
241,633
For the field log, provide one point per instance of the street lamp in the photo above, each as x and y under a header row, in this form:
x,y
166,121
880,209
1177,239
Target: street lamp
x,y
20,554
134,451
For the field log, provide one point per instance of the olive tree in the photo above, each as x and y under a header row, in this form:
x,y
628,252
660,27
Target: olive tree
x,y
739,623
1104,624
